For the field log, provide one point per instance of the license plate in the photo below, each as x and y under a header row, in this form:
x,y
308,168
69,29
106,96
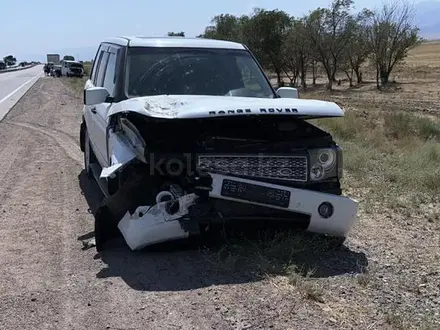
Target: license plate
x,y
255,193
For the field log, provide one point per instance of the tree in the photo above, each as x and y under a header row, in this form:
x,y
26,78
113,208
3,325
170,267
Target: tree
x,y
224,27
264,32
391,35
296,52
329,31
9,60
357,50
68,58
176,34
290,67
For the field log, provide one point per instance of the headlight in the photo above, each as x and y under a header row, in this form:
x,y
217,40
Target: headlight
x,y
327,158
325,163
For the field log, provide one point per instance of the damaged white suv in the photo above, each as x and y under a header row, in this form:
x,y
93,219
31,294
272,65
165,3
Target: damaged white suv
x,y
182,134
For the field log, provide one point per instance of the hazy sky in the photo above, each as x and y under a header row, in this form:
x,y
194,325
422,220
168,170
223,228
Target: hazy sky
x,y
41,26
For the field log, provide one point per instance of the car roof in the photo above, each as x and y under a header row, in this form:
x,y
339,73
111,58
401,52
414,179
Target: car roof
x,y
141,41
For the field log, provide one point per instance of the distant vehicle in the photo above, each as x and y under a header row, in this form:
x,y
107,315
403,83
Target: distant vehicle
x,y
72,69
57,70
2,65
53,58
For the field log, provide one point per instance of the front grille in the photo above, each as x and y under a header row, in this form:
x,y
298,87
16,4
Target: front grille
x,y
291,168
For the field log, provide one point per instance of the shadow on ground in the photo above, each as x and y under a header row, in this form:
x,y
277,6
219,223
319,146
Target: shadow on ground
x,y
231,256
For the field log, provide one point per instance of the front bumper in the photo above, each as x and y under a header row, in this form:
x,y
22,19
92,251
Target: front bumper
x,y
152,224
302,201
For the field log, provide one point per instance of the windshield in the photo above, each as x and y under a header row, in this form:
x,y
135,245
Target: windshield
x,y
194,71
75,65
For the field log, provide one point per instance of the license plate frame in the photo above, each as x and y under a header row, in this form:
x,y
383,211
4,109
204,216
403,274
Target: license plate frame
x,y
255,193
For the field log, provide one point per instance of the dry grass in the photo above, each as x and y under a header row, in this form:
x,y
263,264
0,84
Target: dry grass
x,y
391,138
389,152
77,84
87,68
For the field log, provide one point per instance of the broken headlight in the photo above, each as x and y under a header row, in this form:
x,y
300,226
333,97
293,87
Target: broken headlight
x,y
325,163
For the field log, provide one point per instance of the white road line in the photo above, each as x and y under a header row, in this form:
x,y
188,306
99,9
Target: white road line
x,y
17,89
10,100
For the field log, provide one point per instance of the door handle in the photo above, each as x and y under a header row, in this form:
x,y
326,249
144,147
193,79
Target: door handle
x,y
93,110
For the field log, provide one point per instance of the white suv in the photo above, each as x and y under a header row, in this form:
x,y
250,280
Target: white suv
x,y
184,134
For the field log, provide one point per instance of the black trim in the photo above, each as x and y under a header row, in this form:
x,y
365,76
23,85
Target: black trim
x,y
82,130
239,213
120,52
101,82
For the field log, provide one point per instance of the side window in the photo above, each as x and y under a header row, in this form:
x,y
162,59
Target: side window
x,y
96,64
110,74
101,69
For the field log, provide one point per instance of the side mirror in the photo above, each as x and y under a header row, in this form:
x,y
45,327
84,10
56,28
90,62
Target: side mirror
x,y
95,95
288,92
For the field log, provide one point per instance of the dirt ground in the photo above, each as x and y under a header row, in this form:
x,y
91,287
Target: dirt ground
x,y
49,281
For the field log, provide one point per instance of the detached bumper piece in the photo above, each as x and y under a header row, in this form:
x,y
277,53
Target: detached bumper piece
x,y
158,223
168,219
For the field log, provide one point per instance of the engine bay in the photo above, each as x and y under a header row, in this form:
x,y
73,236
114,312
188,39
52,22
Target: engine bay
x,y
233,134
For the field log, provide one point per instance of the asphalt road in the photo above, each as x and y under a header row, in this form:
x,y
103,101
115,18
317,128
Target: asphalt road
x,y
13,85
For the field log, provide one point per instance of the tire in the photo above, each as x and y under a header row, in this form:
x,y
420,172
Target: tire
x,y
89,156
106,228
129,196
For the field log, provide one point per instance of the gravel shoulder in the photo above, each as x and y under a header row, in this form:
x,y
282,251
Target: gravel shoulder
x,y
387,276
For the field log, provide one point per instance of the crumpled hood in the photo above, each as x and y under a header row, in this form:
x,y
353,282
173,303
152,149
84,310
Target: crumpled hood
x,y
200,106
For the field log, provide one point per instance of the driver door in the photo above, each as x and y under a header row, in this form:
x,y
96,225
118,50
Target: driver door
x,y
104,77
93,121
109,81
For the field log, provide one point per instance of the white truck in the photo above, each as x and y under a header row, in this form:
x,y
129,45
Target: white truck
x,y
53,58
184,134
72,69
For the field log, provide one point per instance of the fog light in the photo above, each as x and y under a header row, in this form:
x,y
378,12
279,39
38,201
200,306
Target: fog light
x,y
316,172
325,210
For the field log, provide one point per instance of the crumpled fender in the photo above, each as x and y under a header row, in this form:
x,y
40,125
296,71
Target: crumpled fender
x,y
120,155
